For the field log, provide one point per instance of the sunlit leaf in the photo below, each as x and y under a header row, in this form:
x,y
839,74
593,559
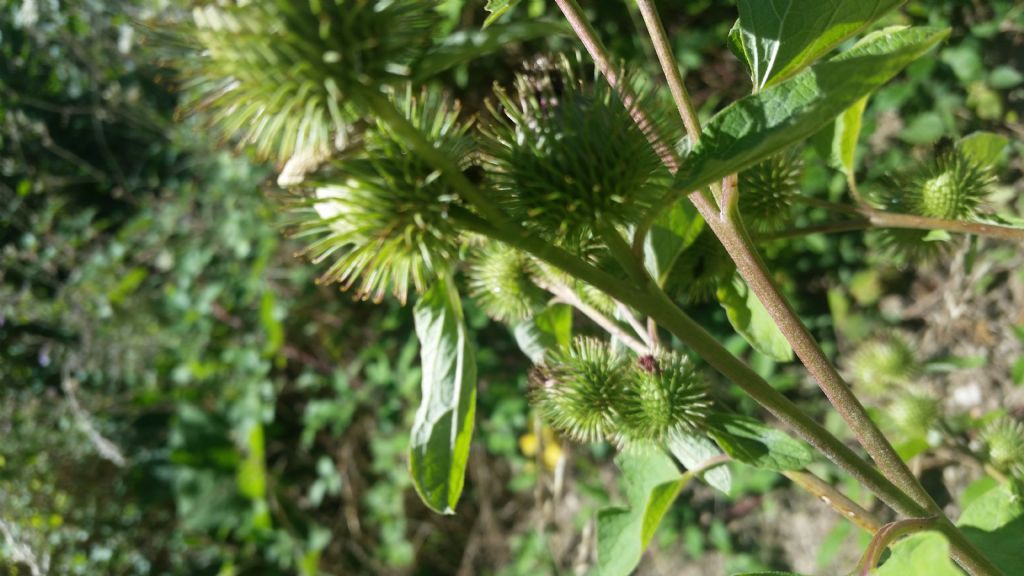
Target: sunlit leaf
x,y
751,320
652,482
759,445
763,124
781,37
443,427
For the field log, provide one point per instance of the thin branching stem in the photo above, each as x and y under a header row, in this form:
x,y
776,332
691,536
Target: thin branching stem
x,y
832,227
835,499
888,535
865,217
567,295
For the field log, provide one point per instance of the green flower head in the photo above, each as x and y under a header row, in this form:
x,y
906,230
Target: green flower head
x,y
577,391
768,189
914,413
382,213
287,76
1004,439
884,364
563,152
951,187
501,281
665,394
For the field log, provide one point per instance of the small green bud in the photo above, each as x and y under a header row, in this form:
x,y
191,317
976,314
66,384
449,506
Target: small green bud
x,y
914,413
883,364
288,76
501,281
665,394
383,213
700,269
952,188
1004,439
577,392
768,189
563,153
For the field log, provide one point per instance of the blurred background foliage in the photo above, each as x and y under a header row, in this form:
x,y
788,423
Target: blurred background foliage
x,y
179,396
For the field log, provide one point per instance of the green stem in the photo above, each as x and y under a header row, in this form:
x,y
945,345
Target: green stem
x,y
673,76
882,219
837,500
653,302
740,247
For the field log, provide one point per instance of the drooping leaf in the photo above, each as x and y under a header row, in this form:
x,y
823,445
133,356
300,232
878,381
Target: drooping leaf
x,y
497,9
751,320
781,37
994,522
760,125
985,148
921,554
465,45
672,233
737,47
652,482
692,450
551,329
758,445
847,132
443,427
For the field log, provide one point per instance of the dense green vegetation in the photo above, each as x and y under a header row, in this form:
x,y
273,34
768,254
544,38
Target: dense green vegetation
x,y
180,395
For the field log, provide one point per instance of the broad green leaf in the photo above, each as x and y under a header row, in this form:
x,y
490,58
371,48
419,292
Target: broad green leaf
x,y
672,233
994,522
443,427
652,482
977,489
985,148
758,445
924,554
763,124
497,9
465,45
692,450
751,320
551,329
781,37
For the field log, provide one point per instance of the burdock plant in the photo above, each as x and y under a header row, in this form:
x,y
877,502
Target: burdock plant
x,y
571,194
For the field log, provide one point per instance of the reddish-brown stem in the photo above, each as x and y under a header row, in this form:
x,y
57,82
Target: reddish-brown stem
x,y
887,536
